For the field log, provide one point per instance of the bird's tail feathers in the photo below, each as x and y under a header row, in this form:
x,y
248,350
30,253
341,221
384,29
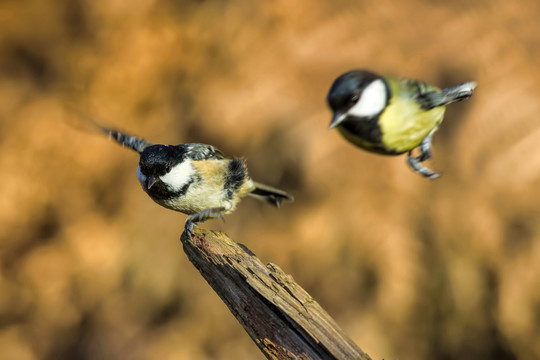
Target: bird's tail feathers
x,y
432,99
88,123
270,195
458,92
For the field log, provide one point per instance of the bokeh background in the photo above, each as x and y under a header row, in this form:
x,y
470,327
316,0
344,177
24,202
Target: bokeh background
x,y
91,268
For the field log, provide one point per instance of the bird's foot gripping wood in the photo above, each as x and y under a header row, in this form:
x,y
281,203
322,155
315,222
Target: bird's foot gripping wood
x,y
201,216
425,154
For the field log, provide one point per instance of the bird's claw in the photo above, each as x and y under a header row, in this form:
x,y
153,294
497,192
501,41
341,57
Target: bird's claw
x,y
425,154
416,165
201,216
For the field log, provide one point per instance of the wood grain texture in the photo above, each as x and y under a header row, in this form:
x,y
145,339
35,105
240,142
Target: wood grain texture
x,y
281,317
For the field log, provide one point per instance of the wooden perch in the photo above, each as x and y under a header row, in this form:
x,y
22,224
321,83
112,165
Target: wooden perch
x,y
281,317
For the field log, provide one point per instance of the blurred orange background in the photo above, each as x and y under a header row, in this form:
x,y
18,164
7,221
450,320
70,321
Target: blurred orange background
x,y
91,268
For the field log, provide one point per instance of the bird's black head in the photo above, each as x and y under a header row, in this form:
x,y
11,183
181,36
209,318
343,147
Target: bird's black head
x,y
158,160
348,91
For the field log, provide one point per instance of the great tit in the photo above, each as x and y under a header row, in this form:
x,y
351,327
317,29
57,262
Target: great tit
x,y
389,115
195,179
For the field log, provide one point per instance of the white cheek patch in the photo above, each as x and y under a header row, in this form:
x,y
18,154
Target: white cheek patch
x,y
179,175
372,101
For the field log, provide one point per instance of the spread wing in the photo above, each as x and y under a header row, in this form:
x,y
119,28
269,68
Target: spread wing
x,y
86,122
195,151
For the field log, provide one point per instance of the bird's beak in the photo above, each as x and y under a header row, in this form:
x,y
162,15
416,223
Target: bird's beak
x,y
337,119
150,181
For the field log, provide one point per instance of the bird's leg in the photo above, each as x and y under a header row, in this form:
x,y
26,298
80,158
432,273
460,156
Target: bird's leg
x,y
201,216
425,154
206,214
425,148
188,228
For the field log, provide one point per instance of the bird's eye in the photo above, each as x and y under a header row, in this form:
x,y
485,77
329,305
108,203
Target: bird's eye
x,y
354,99
167,168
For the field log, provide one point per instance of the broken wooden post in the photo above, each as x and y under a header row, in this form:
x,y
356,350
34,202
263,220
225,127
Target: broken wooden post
x,y
281,317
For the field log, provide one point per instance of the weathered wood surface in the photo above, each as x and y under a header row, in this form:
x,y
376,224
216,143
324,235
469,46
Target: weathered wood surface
x,y
281,317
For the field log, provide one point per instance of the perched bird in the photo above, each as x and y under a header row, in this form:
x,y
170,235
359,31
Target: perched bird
x,y
195,179
389,115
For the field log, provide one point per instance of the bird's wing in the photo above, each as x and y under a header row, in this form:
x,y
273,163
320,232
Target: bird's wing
x,y
89,123
136,143
195,151
425,95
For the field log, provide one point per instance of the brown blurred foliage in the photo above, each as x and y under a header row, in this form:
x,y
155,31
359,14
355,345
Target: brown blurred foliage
x,y
91,268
